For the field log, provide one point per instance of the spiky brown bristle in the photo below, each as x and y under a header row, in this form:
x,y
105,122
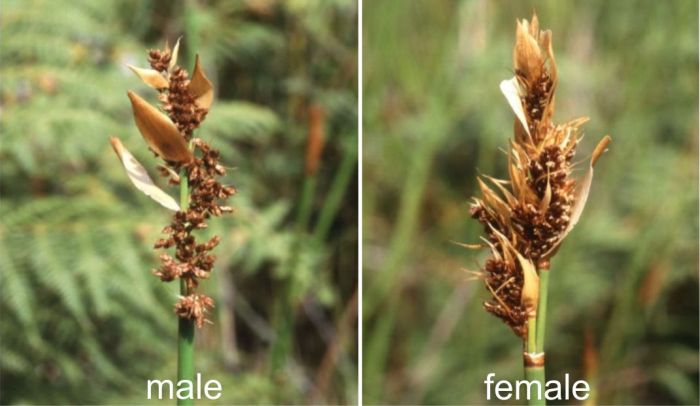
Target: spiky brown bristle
x,y
507,283
194,307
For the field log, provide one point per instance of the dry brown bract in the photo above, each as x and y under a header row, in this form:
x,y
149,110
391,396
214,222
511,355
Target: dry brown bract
x,y
526,218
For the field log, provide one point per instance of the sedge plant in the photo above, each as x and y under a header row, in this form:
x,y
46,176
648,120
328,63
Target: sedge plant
x,y
192,165
527,217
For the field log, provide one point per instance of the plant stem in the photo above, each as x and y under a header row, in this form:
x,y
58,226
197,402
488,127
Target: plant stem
x,y
307,198
536,374
384,290
531,334
334,199
284,325
542,309
285,306
191,30
185,341
184,190
185,359
542,322
536,327
533,373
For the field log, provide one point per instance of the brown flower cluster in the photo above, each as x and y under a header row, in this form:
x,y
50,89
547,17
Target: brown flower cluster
x,y
192,261
506,303
194,307
178,101
532,212
160,59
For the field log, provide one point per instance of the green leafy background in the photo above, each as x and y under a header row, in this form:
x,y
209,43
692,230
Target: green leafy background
x,y
83,319
624,286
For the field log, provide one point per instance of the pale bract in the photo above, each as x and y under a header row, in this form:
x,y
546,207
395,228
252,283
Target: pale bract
x,y
511,90
151,77
174,55
584,186
139,177
531,284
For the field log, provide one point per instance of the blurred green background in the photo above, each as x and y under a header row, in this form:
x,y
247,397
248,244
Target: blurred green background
x,y
623,297
83,320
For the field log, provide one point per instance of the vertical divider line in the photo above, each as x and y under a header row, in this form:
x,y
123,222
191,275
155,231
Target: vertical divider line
x,y
359,202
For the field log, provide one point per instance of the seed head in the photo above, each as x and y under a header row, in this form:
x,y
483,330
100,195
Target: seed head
x,y
526,217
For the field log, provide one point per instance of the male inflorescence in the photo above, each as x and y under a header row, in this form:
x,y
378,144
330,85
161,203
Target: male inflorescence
x,y
192,260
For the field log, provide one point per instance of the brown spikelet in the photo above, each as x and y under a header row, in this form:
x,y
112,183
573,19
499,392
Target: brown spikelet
x,y
526,217
194,307
506,285
180,104
159,60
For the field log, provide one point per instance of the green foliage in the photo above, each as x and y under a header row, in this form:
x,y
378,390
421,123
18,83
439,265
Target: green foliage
x,y
78,301
627,275
62,311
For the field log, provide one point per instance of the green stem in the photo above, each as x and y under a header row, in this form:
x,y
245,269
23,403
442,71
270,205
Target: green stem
x,y
533,373
384,288
185,341
284,307
531,334
307,198
184,190
284,326
185,359
191,32
536,374
542,309
536,328
334,199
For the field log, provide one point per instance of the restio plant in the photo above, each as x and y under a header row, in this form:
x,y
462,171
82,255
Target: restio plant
x,y
192,164
527,217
